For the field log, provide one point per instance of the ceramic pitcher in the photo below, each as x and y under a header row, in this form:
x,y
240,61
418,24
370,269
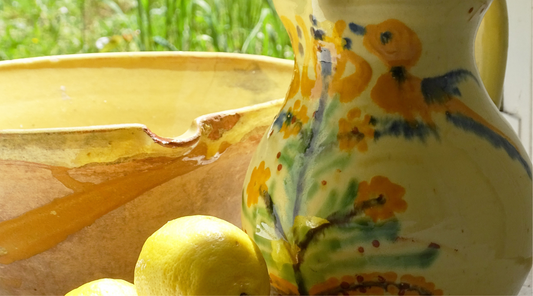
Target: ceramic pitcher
x,y
388,169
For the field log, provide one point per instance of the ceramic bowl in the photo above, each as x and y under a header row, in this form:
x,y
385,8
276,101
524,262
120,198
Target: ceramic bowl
x,y
98,151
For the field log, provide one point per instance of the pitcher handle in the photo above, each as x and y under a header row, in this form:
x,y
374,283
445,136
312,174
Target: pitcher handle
x,y
492,41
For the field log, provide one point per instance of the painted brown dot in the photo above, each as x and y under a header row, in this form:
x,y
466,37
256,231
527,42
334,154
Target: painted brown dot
x,y
361,249
375,243
280,167
345,285
434,246
381,279
360,278
324,182
279,155
401,292
471,9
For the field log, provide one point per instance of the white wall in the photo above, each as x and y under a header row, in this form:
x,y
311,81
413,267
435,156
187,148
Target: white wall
x,y
518,80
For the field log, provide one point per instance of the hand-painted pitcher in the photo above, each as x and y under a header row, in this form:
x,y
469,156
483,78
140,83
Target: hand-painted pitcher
x,y
389,170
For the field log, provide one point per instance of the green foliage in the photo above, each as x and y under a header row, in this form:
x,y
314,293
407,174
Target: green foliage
x,y
30,28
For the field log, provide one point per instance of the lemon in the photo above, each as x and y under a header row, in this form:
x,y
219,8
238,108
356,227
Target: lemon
x,y
104,287
200,255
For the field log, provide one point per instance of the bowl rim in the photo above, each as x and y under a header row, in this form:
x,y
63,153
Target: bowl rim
x,y
131,60
124,59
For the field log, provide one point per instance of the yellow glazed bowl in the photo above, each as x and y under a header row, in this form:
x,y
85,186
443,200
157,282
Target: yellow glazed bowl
x,y
98,151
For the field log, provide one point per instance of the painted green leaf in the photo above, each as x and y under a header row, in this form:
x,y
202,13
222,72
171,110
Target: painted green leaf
x,y
263,243
329,162
332,107
364,230
246,214
302,225
312,191
325,255
266,231
284,253
420,260
335,206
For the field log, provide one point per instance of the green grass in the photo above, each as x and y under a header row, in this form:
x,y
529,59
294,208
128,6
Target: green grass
x,y
30,28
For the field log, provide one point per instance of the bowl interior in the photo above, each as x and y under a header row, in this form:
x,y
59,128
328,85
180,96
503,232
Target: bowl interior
x,y
78,203
164,91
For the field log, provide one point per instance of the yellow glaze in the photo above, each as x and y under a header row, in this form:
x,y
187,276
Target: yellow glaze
x,y
491,49
99,151
152,89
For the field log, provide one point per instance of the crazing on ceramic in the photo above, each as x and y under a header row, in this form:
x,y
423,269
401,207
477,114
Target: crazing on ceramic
x,y
320,199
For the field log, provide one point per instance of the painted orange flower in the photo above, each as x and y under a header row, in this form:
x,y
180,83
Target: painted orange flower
x,y
397,91
308,80
347,86
381,198
296,118
419,283
375,283
352,285
320,288
354,131
394,43
404,98
282,286
309,50
257,186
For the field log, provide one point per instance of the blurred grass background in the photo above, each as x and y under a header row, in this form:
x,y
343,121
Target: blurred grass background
x,y
31,28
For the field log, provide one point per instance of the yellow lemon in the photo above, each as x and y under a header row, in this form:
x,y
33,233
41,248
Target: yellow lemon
x,y
104,287
200,255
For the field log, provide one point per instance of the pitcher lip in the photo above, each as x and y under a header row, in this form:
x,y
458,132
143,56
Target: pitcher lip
x,y
316,6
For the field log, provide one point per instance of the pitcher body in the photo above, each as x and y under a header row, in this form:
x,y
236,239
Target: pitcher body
x,y
389,170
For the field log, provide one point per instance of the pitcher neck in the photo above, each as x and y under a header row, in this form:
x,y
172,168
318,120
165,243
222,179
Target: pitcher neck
x,y
424,36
